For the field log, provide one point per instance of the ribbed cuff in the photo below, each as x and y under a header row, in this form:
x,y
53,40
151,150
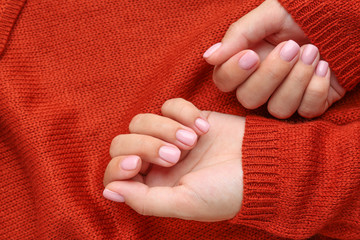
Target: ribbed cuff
x,y
333,26
293,180
260,166
10,10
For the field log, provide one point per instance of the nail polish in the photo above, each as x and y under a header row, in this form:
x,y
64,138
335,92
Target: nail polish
x,y
248,60
169,154
129,163
309,54
186,137
113,196
322,68
202,125
211,50
289,51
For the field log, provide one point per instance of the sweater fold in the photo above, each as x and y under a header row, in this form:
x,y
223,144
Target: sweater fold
x,y
9,11
74,73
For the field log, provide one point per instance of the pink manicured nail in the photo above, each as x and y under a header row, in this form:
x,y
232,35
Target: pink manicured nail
x,y
289,51
202,125
248,60
129,163
186,137
322,69
169,154
309,54
113,196
211,50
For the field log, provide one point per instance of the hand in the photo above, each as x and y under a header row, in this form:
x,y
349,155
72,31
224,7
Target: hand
x,y
236,67
205,183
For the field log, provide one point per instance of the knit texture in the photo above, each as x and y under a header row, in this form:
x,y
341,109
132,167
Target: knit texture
x,y
74,73
334,28
9,10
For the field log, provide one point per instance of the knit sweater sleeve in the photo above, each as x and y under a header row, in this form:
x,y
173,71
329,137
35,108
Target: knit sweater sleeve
x,y
301,179
9,11
333,26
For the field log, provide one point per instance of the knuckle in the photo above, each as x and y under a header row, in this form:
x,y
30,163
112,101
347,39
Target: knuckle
x,y
136,121
105,182
110,173
246,101
105,179
219,75
234,28
218,83
307,112
169,104
115,144
140,140
278,111
182,110
318,92
141,209
274,75
301,78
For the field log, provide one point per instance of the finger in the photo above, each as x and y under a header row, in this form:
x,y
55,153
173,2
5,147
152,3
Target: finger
x,y
257,89
122,168
237,69
148,148
314,102
287,97
336,91
247,31
177,201
187,114
229,75
164,128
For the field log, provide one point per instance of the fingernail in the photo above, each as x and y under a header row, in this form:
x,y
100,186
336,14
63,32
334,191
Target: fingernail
x,y
289,51
113,196
202,125
322,69
129,163
186,137
309,54
248,60
211,50
169,154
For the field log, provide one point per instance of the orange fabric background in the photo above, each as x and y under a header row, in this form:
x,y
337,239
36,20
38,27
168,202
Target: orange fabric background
x,y
73,74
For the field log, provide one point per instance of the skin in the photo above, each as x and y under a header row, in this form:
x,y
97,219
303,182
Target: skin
x,y
272,81
206,182
205,185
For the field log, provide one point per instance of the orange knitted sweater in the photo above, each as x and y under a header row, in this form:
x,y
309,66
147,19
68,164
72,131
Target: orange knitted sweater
x,y
73,74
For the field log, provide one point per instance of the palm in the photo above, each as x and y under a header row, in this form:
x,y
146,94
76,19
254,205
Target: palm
x,y
212,169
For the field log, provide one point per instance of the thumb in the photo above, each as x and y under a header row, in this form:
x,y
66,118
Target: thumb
x,y
178,201
261,22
